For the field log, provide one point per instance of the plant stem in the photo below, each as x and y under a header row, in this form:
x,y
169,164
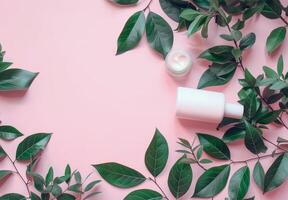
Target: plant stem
x,y
284,20
256,158
158,186
195,158
19,174
148,6
277,146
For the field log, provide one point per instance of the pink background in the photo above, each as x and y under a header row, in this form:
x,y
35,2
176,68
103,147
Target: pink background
x,y
105,108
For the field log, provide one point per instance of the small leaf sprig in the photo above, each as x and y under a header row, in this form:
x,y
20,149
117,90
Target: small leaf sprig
x,y
50,187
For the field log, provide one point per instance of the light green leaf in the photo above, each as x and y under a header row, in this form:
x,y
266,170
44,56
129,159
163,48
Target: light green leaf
x,y
275,39
239,183
32,145
214,146
131,33
212,182
159,34
91,185
277,173
280,65
9,133
2,153
196,24
157,153
144,194
180,178
119,175
258,175
190,14
16,79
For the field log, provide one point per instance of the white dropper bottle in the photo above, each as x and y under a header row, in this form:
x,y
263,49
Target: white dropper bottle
x,y
205,106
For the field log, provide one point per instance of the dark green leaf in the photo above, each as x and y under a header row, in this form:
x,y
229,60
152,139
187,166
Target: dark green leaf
x,y
196,24
277,173
56,190
125,2
258,175
214,146
9,133
91,185
202,3
131,33
180,178
16,79
4,65
173,9
269,117
218,54
34,196
75,188
68,173
39,181
238,25
233,134
159,33
13,196
157,153
32,145
66,196
143,194
239,183
272,9
275,39
247,41
212,182
78,177
217,74
4,174
119,175
237,54
253,139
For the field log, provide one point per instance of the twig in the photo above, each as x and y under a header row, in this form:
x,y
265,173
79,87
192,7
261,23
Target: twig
x,y
277,146
19,174
256,158
158,186
148,6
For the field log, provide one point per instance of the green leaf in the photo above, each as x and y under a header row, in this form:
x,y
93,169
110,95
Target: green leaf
x,y
221,54
258,175
4,65
173,9
247,41
9,133
279,85
13,196
277,173
131,33
32,145
4,174
205,161
205,4
66,196
270,73
269,117
214,146
199,152
56,190
280,65
34,196
49,176
253,139
119,175
2,153
275,39
217,74
212,182
180,178
78,177
157,153
196,24
16,79
159,34
67,173
75,188
249,78
190,14
272,9
39,181
239,183
144,194
125,2
91,185
237,53
233,134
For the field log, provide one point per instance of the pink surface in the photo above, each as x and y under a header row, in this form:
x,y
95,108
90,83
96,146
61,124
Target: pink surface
x,y
101,107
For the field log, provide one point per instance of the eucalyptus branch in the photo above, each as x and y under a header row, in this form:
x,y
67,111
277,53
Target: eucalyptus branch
x,y
159,187
26,183
195,158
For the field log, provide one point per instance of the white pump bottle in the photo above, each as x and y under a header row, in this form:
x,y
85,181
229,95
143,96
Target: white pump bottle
x,y
205,106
